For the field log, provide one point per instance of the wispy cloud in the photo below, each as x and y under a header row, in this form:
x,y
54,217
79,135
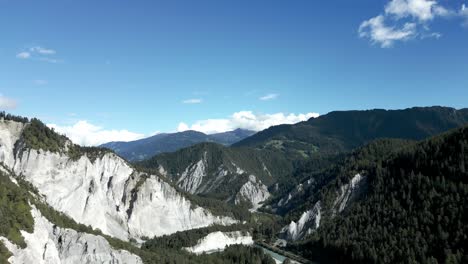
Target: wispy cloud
x,y
192,101
269,97
245,120
42,50
39,53
7,103
403,20
23,55
376,30
464,14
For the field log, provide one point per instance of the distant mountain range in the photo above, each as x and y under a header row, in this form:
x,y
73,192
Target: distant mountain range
x,y
170,142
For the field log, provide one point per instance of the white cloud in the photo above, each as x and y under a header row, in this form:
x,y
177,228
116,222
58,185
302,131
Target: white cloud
x,y
84,133
182,127
7,103
245,120
192,101
435,35
269,97
87,134
23,55
403,20
154,133
419,9
42,50
376,30
464,14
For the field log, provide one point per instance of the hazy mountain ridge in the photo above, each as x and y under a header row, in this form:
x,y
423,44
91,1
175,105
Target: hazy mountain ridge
x,y
169,142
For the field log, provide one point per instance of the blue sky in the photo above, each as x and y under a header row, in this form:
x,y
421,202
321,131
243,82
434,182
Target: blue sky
x,y
147,66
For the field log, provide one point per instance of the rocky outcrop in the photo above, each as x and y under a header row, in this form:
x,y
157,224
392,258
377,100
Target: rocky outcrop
x,y
10,133
217,241
310,220
192,177
307,223
49,244
253,191
347,193
217,172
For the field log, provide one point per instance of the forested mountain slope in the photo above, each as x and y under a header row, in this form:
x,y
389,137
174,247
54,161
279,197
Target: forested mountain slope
x,y
344,130
232,174
409,204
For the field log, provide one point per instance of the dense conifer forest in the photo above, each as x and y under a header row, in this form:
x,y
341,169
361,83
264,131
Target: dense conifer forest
x,y
415,211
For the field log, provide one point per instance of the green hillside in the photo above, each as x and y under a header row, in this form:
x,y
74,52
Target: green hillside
x,y
266,165
341,131
415,209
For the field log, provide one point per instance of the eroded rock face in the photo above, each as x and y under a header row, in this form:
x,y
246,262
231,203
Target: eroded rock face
x,y
307,223
253,191
348,192
10,133
217,241
105,193
298,193
161,210
217,172
50,244
310,220
192,177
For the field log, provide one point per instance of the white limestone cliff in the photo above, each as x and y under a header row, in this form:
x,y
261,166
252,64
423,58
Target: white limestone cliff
x,y
253,191
49,244
307,223
217,241
347,193
105,193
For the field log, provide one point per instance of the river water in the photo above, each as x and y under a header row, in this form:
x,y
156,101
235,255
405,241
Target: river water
x,y
277,257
